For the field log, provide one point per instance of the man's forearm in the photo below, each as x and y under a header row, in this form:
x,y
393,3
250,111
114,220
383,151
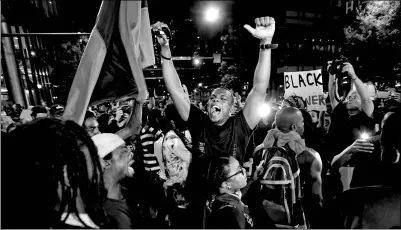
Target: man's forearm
x,y
152,101
173,83
313,204
331,87
340,159
366,102
262,71
361,88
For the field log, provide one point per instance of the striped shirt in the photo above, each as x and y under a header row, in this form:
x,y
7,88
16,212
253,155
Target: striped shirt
x,y
148,138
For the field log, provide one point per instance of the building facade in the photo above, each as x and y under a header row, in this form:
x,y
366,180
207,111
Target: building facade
x,y
25,78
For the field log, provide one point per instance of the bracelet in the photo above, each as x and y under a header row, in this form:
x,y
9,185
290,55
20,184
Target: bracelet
x,y
165,57
268,46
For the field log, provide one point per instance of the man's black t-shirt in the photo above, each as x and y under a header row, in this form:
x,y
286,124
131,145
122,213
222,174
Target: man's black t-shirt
x,y
345,129
229,139
209,141
120,215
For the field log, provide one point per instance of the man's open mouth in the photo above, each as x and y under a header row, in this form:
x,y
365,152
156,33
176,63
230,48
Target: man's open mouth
x,y
215,110
130,169
352,110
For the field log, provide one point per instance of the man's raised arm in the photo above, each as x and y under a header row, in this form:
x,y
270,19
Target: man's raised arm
x,y
332,88
171,79
264,30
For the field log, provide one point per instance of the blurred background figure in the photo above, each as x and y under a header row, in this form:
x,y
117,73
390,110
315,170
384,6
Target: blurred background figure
x,y
39,111
56,111
59,182
90,124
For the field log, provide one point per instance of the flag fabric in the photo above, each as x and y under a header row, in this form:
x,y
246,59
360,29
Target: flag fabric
x,y
119,47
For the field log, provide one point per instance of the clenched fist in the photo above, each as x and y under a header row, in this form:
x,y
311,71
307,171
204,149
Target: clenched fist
x,y
264,29
162,38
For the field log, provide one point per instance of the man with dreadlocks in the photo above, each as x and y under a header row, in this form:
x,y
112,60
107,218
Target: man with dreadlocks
x,y
217,133
57,183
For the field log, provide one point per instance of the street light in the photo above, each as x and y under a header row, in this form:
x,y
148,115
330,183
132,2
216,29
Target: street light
x,y
196,61
211,14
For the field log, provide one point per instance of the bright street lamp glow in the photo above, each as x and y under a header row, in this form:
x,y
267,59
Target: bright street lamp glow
x,y
196,61
212,14
200,84
264,110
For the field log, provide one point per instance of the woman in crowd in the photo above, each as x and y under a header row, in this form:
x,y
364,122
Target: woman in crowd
x,y
227,177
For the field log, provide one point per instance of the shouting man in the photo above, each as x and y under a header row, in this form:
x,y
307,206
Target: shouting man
x,y
116,161
217,133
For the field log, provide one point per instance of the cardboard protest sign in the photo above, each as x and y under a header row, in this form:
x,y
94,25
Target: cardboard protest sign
x,y
308,85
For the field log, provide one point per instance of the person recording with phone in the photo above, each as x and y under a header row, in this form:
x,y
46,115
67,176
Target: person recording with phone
x,y
353,116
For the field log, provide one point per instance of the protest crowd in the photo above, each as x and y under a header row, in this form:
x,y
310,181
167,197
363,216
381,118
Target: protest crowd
x,y
224,163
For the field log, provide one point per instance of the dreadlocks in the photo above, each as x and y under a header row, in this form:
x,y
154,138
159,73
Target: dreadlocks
x,y
53,172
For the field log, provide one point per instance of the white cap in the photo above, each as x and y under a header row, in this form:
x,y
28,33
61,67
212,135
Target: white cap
x,y
107,143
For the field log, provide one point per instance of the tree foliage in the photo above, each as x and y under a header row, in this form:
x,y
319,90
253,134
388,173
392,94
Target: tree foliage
x,y
374,37
64,67
229,74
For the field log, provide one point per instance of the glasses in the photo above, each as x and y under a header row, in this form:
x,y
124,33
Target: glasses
x,y
241,171
352,97
92,128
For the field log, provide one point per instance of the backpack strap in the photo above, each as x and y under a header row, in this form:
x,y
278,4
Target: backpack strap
x,y
225,206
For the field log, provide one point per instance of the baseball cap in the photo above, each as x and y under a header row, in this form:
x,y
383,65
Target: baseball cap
x,y
39,109
107,143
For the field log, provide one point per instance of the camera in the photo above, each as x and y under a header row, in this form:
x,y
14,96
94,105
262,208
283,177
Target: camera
x,y
165,30
343,80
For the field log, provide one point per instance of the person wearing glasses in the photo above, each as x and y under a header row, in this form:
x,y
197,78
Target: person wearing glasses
x,y
226,210
353,115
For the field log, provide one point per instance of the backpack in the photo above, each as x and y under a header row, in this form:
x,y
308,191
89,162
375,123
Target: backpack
x,y
280,187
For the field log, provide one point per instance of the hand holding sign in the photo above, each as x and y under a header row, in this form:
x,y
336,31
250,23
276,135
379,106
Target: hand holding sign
x,y
264,30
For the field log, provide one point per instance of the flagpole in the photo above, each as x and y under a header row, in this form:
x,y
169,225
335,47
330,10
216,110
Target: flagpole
x,y
43,34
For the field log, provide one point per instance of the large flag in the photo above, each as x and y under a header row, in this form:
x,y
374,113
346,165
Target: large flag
x,y
119,47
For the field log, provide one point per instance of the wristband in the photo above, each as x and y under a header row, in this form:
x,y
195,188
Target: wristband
x,y
268,46
165,57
